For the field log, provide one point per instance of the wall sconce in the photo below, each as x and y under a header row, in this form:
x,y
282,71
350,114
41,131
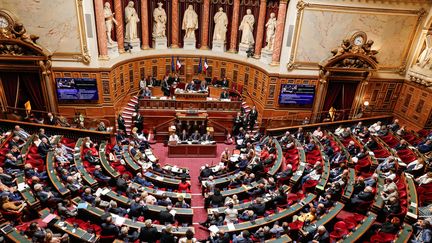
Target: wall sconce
x,y
366,103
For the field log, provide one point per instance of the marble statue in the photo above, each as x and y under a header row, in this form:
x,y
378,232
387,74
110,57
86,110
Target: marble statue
x,y
109,21
160,19
424,59
221,23
132,20
271,32
190,22
247,26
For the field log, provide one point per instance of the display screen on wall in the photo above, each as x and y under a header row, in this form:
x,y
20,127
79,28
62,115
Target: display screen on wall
x,y
76,89
297,95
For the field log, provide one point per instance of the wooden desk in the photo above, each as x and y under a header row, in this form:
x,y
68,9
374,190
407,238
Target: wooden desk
x,y
14,235
104,162
80,166
192,151
65,227
282,239
191,96
52,172
96,213
260,222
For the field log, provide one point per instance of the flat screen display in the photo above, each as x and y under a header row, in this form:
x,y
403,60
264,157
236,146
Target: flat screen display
x,y
298,95
76,89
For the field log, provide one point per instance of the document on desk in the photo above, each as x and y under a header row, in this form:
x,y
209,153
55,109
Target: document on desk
x,y
22,186
119,221
231,227
49,218
213,229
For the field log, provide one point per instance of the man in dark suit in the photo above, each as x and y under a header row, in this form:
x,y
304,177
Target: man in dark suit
x,y
238,120
165,217
321,235
108,228
364,196
91,158
14,142
299,135
224,82
195,136
224,95
165,87
43,135
44,147
138,122
183,136
207,137
253,115
52,120
149,233
121,122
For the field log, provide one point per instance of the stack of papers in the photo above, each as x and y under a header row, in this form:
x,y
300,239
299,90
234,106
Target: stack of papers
x,y
22,186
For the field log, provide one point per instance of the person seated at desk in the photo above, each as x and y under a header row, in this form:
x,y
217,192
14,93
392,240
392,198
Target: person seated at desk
x,y
203,87
146,93
224,95
224,82
195,136
207,137
183,136
173,138
190,86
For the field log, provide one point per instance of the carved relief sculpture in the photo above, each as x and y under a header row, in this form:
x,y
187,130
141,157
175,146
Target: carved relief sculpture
x,y
221,23
109,21
190,22
359,45
247,26
424,59
160,19
131,18
271,32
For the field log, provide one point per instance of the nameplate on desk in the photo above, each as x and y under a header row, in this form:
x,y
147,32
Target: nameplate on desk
x,y
191,112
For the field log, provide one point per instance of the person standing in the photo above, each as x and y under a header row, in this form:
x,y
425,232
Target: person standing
x,y
121,122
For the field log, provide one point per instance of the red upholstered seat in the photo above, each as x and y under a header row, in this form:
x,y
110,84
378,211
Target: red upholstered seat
x,y
309,185
382,237
339,230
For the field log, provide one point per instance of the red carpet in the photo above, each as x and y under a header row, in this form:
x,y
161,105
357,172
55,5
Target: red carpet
x,y
194,165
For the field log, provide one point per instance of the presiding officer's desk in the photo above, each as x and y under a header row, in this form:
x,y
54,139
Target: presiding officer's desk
x,y
191,150
185,95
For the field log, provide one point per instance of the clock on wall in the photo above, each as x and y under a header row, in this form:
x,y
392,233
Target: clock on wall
x,y
6,19
358,38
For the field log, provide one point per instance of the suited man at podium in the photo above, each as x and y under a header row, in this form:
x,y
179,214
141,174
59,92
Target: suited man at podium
x,y
183,136
195,136
224,95
207,137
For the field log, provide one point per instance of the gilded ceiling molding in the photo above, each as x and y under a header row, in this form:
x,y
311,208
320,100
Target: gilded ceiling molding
x,y
302,6
84,55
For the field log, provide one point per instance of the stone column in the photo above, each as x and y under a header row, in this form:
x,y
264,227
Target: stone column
x,y
205,25
234,26
280,26
175,24
118,11
144,25
101,29
260,29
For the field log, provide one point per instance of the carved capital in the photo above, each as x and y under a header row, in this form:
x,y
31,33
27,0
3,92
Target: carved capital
x,y
301,5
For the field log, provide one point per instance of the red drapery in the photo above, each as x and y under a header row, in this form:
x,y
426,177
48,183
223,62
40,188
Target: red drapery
x,y
340,95
29,89
10,85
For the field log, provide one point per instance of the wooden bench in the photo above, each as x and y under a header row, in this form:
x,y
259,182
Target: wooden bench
x,y
104,162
